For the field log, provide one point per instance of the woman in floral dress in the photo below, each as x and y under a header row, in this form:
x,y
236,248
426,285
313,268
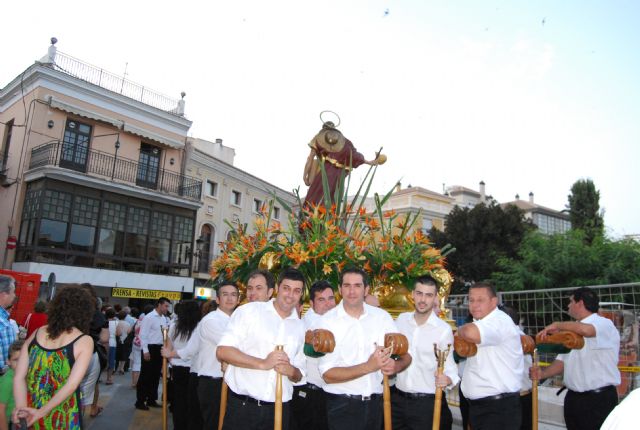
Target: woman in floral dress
x,y
53,362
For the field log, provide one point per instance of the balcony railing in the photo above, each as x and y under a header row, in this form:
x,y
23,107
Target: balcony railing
x,y
112,82
113,168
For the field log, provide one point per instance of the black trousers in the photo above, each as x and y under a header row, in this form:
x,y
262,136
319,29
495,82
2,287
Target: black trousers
x,y
527,413
248,415
209,401
417,413
193,410
150,373
179,397
345,413
586,411
503,414
464,408
308,408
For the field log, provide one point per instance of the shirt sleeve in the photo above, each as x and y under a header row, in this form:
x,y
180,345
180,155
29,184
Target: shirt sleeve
x,y
605,334
144,333
490,331
213,330
236,330
450,367
192,347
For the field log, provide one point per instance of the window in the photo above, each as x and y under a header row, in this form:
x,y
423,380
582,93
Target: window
x,y
276,212
257,205
206,235
6,143
56,210
75,146
112,228
236,198
148,166
84,222
182,240
137,229
160,240
30,213
210,210
212,188
427,223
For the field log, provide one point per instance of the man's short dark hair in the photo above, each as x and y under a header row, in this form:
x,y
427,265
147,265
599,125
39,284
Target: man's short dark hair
x,y
227,284
356,271
589,297
6,282
271,283
162,300
292,274
318,287
486,285
427,280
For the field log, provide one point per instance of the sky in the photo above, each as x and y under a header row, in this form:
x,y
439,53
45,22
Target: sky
x,y
525,96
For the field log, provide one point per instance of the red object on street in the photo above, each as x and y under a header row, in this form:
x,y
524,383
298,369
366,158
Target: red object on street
x,y
27,291
12,241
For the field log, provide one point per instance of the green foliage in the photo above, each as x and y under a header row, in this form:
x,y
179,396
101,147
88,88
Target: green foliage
x,y
566,260
481,235
584,209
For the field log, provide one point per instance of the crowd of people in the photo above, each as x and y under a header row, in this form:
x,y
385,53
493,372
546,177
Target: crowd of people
x,y
50,378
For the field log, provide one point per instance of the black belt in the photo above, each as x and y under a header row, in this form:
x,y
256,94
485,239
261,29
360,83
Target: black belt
x,y
357,396
209,377
414,395
500,396
249,399
596,391
312,387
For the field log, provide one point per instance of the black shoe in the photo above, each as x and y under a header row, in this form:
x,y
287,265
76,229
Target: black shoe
x,y
142,406
153,404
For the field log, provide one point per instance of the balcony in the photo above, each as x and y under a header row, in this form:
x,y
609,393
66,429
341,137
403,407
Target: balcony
x,y
116,169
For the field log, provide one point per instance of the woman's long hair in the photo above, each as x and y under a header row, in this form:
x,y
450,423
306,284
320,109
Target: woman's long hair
x,y
72,306
189,315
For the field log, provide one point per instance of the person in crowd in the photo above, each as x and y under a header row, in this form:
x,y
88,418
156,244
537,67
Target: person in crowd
x,y
151,368
99,332
7,332
414,393
249,347
53,362
37,318
353,371
110,315
492,377
308,404
260,285
122,332
180,333
136,348
7,402
625,415
591,373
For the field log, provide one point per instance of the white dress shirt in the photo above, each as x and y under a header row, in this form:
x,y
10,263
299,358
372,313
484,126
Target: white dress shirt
x,y
191,349
178,343
419,377
525,382
256,329
212,327
150,333
596,364
625,415
356,340
310,319
498,366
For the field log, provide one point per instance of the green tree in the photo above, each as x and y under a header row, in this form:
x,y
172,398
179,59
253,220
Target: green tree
x,y
584,209
481,235
566,260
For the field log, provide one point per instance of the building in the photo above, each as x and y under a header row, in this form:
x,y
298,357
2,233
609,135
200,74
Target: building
x,y
93,181
466,197
433,206
229,194
548,221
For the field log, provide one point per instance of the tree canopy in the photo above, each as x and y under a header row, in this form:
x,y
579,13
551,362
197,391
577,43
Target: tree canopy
x,y
481,235
584,209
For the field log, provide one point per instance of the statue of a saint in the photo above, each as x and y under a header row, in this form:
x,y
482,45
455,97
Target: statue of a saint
x,y
337,153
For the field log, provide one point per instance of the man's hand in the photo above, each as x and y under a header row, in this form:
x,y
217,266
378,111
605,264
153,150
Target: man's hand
x,y
535,373
442,381
146,356
168,352
274,358
379,358
550,329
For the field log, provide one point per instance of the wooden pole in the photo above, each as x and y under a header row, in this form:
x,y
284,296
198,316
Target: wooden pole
x,y
441,358
223,403
277,411
165,333
534,395
386,402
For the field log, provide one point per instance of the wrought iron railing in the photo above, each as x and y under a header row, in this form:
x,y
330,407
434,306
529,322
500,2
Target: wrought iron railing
x,y
112,82
114,168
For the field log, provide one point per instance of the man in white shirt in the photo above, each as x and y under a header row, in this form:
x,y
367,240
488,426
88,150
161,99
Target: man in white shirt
x,y
151,369
260,285
353,371
413,396
491,379
202,349
308,405
591,374
249,347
